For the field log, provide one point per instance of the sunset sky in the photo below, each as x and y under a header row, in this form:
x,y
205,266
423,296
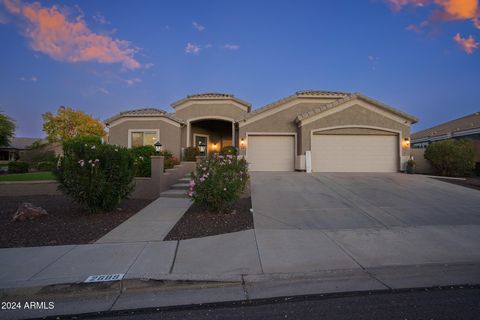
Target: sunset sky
x,y
103,57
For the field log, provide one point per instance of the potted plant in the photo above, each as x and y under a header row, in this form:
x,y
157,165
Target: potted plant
x,y
410,166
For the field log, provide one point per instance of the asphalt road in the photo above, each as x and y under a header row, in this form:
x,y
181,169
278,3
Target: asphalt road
x,y
455,303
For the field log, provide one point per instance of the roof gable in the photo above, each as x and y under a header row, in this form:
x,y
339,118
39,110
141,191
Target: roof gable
x,y
143,112
211,96
469,122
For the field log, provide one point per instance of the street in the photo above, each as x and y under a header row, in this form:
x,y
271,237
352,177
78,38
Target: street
x,y
452,303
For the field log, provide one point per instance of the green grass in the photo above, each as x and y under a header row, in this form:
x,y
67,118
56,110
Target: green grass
x,y
31,176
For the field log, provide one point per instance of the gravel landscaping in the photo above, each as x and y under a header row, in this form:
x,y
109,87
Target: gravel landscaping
x,y
66,223
473,183
197,222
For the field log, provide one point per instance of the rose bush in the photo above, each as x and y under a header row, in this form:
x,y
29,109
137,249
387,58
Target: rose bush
x,y
218,181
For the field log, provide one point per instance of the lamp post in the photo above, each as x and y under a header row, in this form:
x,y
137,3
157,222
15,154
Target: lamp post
x,y
158,146
201,148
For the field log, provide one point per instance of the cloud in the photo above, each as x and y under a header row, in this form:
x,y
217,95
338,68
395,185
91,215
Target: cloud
x,y
468,44
231,46
198,26
104,91
99,18
148,65
445,10
192,48
31,78
54,33
133,81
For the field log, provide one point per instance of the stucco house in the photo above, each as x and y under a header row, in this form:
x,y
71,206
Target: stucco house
x,y
319,131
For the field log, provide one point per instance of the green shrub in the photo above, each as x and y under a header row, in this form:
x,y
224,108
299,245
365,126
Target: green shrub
x,y
191,153
98,176
142,160
37,155
18,167
451,157
218,181
231,150
169,160
46,166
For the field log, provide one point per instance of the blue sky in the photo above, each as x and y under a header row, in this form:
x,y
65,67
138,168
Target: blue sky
x,y
260,51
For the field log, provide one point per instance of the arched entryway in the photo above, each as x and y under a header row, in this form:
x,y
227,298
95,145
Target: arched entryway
x,y
211,134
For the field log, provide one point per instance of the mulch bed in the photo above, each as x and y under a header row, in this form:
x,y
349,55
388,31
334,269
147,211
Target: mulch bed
x,y
473,183
197,222
66,223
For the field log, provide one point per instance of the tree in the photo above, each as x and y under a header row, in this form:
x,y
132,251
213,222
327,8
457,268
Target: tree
x,y
451,157
69,123
7,129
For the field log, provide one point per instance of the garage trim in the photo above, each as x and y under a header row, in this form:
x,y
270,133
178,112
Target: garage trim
x,y
294,134
365,127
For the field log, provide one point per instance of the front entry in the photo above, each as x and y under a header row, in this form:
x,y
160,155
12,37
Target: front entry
x,y
201,141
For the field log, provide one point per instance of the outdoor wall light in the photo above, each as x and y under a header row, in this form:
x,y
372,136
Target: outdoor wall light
x,y
214,146
406,142
158,146
201,147
242,143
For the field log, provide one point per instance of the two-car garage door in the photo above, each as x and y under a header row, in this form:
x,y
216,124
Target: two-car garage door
x,y
354,153
271,152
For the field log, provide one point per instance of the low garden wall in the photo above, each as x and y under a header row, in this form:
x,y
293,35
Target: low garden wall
x,y
145,187
28,188
421,164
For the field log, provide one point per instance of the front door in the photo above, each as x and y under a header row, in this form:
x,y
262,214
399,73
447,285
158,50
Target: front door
x,y
202,143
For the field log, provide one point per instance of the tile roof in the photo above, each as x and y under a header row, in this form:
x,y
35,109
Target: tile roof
x,y
350,97
22,143
211,96
472,121
303,94
144,112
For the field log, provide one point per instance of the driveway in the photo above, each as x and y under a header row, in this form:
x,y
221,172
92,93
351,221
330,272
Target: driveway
x,y
291,200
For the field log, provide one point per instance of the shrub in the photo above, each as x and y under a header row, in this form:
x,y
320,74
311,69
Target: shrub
x,y
37,155
218,181
18,167
45,166
98,176
229,150
191,153
142,162
169,160
451,157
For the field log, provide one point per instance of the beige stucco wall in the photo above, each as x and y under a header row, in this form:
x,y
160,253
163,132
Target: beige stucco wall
x,y
205,109
169,133
421,164
354,116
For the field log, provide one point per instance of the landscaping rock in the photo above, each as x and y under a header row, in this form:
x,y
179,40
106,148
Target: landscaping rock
x,y
27,211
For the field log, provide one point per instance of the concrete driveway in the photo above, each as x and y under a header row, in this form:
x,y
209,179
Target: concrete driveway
x,y
332,201
341,221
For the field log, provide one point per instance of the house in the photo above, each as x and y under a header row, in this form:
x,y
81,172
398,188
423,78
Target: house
x,y
467,127
17,145
319,131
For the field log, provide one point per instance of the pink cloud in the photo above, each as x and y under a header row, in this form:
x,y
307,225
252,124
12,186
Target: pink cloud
x,y
397,5
133,81
232,46
468,44
52,32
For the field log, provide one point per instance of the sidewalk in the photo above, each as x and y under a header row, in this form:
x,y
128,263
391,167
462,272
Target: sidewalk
x,y
250,264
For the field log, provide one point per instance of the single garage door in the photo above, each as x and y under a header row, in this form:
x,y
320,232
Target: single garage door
x,y
271,153
354,153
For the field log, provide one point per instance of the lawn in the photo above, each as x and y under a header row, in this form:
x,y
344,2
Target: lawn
x,y
31,176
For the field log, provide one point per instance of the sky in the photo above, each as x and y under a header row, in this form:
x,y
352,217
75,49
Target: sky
x,y
103,57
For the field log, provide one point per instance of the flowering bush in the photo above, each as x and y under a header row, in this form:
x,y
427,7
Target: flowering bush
x,y
94,174
229,150
142,162
218,181
191,153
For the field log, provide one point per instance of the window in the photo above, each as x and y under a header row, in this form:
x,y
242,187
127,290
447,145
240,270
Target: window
x,y
143,138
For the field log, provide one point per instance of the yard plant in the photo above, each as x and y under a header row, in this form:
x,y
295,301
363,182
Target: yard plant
x,y
451,157
96,175
142,161
18,167
191,153
218,182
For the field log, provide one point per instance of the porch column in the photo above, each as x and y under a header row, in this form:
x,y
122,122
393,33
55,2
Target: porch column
x,y
234,142
188,133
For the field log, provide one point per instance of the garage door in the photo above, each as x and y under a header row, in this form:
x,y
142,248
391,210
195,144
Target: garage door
x,y
354,153
271,153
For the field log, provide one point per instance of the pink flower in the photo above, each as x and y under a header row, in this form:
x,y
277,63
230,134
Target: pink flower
x,y
192,183
190,194
202,179
224,189
93,147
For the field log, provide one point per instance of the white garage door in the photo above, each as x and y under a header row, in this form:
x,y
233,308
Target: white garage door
x,y
271,153
354,153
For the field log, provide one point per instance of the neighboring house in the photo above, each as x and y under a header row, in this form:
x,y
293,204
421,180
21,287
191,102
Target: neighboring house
x,y
322,130
467,127
17,145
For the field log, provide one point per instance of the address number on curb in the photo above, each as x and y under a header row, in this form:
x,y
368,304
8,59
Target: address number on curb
x,y
105,277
